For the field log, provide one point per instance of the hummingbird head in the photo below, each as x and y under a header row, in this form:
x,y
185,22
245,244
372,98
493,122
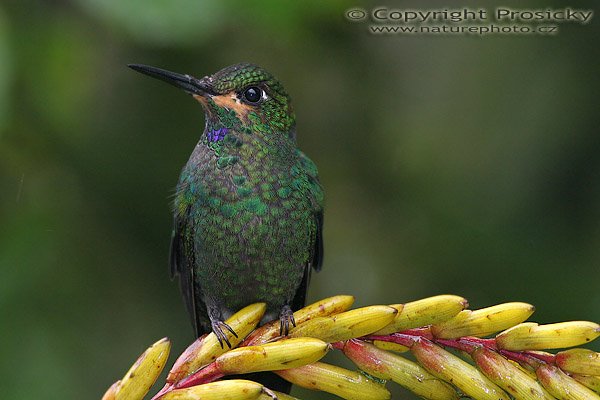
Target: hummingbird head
x,y
242,96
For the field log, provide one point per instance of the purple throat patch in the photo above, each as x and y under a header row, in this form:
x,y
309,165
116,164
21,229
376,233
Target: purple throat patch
x,y
216,135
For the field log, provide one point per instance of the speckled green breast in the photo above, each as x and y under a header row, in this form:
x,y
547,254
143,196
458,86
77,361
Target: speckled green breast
x,y
253,222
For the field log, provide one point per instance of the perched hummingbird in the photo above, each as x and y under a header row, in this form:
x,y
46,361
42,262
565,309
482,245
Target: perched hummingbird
x,y
248,209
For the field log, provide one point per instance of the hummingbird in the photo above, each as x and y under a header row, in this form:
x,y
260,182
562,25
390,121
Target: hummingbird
x,y
248,207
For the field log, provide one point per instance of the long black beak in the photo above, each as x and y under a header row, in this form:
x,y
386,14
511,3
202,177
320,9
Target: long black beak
x,y
186,82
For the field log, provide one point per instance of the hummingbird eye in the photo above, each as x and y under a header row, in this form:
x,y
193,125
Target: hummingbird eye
x,y
253,94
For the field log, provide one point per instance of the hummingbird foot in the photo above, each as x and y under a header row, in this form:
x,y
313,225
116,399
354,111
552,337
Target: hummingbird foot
x,y
286,318
218,328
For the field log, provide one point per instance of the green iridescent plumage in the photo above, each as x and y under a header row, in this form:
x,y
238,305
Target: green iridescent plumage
x,y
248,207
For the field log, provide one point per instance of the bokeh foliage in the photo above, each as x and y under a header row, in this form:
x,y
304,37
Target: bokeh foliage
x,y
451,164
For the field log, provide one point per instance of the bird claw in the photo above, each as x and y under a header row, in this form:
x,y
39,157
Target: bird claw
x,y
286,317
217,328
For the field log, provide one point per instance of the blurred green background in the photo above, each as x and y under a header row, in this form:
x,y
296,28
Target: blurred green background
x,y
452,164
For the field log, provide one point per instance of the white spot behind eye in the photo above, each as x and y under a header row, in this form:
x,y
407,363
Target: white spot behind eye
x,y
264,95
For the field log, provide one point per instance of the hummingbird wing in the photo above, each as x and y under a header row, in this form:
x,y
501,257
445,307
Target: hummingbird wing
x,y
317,261
182,263
315,192
316,255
